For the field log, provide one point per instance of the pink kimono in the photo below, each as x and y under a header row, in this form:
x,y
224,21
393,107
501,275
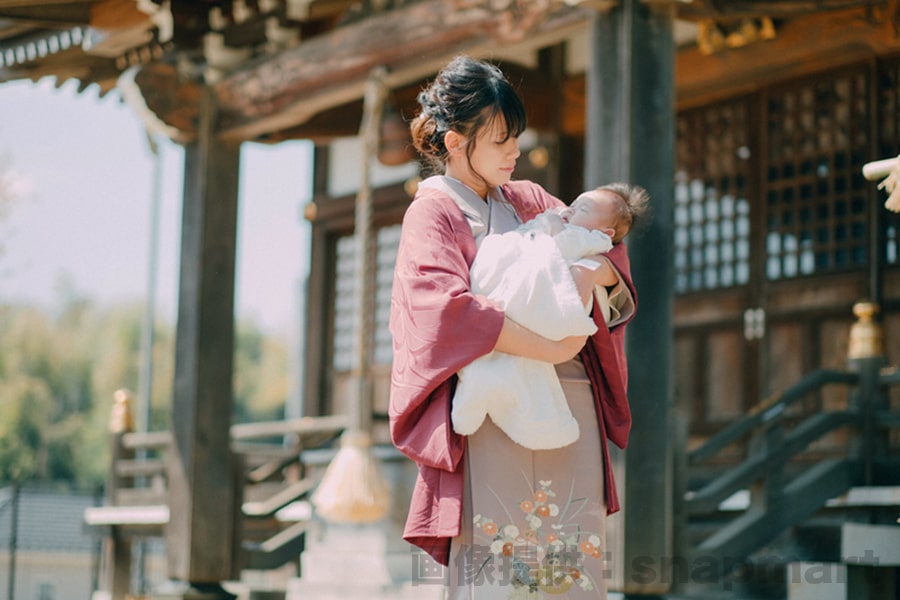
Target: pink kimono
x,y
438,327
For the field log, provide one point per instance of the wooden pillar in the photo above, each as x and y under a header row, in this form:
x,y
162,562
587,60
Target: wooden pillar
x,y
867,358
201,535
630,137
318,309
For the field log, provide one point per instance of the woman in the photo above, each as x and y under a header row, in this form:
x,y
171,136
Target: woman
x,y
507,520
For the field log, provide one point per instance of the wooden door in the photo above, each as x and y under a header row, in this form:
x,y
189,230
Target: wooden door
x,y
773,242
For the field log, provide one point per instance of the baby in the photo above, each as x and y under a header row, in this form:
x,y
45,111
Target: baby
x,y
544,274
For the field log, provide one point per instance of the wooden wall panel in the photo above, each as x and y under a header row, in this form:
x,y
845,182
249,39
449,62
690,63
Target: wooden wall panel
x,y
834,336
686,360
725,394
785,364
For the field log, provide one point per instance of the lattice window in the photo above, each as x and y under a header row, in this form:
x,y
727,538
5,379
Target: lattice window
x,y
344,305
712,211
46,591
816,208
388,238
388,243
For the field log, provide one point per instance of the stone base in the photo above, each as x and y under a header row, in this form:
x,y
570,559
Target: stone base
x,y
180,591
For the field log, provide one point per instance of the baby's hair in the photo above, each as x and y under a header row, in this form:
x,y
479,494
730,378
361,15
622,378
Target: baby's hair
x,y
634,206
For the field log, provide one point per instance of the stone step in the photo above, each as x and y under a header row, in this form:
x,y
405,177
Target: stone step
x,y
350,587
874,545
840,581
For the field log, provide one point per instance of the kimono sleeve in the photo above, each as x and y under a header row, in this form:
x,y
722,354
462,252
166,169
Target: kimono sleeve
x,y
438,326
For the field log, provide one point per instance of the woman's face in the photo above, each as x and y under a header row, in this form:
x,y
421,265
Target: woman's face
x,y
490,163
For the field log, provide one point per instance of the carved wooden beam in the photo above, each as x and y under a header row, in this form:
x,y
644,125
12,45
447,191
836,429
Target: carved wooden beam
x,y
330,70
322,79
343,120
163,99
56,14
802,46
737,9
117,27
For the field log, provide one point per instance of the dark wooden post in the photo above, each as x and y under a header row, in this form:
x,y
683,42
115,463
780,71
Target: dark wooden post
x,y
200,535
630,137
117,552
317,308
767,494
866,356
13,539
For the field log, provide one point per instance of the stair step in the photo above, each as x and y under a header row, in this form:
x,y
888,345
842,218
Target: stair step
x,y
876,545
347,586
816,581
840,581
867,497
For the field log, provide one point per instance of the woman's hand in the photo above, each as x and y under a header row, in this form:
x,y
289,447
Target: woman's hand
x,y
515,339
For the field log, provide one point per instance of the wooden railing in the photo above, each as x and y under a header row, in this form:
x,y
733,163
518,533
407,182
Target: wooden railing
x,y
273,479
772,447
779,498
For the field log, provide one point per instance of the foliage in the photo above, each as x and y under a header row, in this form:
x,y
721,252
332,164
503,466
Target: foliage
x,y
59,372
260,384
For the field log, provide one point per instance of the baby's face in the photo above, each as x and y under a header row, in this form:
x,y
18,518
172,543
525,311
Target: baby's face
x,y
591,210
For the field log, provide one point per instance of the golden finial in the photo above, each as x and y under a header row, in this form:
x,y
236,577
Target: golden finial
x,y
121,421
866,338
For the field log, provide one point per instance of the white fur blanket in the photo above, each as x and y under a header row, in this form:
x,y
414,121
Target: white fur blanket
x,y
525,272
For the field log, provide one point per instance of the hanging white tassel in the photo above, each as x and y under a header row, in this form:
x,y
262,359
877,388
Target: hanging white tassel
x,y
353,489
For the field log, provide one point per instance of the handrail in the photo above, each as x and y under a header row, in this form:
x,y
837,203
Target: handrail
x,y
248,439
783,490
139,468
889,375
134,440
813,428
768,411
146,440
303,425
268,507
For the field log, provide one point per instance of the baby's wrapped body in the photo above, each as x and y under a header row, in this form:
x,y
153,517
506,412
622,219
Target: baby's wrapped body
x,y
527,272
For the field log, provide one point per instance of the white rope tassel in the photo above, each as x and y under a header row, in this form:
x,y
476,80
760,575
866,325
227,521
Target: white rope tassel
x,y
353,489
890,185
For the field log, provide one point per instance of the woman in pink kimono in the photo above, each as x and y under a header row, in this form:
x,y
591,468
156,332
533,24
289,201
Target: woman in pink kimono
x,y
506,521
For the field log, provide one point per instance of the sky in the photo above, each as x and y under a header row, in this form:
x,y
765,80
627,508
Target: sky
x,y
82,178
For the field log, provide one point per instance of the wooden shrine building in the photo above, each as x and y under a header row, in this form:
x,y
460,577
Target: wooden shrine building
x,y
749,122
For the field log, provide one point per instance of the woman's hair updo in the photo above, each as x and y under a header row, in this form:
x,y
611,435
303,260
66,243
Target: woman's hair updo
x,y
466,95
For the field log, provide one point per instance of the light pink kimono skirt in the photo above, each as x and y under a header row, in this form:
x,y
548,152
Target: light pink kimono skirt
x,y
534,521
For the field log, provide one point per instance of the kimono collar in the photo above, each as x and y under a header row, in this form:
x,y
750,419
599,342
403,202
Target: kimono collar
x,y
495,214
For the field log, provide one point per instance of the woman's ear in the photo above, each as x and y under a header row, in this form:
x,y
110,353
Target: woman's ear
x,y
453,141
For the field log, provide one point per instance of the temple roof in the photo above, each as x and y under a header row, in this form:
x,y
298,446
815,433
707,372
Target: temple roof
x,y
276,66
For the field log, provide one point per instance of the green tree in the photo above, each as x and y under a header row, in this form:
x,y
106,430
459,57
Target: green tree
x,y
45,378
260,375
59,372
25,402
